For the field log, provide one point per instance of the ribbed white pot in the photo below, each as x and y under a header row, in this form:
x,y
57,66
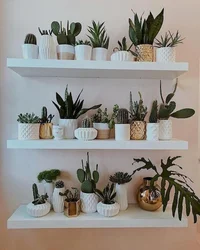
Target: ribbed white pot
x,y
166,54
122,132
47,49
48,188
69,126
152,131
165,130
99,54
108,210
83,52
30,51
121,196
88,202
122,56
38,210
86,134
65,52
28,131
58,200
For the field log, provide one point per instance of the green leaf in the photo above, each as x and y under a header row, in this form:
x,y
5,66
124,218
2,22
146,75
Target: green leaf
x,y
167,197
132,35
59,99
171,107
183,113
83,111
180,206
187,207
169,97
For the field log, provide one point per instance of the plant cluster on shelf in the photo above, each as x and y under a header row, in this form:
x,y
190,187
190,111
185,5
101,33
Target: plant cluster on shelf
x,y
142,34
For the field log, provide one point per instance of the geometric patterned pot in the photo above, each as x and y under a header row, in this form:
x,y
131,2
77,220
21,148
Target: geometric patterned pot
x,y
166,54
89,202
28,131
38,210
165,130
145,53
108,210
138,130
152,131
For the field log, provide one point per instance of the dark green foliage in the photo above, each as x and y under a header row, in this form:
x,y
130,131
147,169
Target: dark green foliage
x,y
45,32
81,42
124,47
86,123
108,195
169,40
59,184
123,116
28,118
44,116
137,109
38,199
30,39
68,109
153,118
120,178
49,175
71,195
179,182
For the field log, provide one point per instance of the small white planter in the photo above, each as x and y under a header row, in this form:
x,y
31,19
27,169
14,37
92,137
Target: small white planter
x,y
86,134
58,132
122,132
88,202
108,210
122,56
166,54
121,196
28,131
38,210
99,54
165,130
103,131
30,51
65,52
48,188
152,131
83,52
58,200
69,126
47,48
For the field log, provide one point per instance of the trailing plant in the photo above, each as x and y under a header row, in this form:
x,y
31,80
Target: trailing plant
x,y
87,178
49,175
45,118
169,40
45,32
122,116
98,36
71,195
124,47
86,123
171,179
59,184
28,118
120,178
68,109
81,42
137,109
30,39
108,195
38,199
153,118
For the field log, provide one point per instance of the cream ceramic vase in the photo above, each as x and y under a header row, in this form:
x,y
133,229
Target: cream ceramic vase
x,y
58,200
152,131
69,126
99,54
28,131
145,53
58,132
121,196
30,51
48,188
85,134
65,52
166,54
122,56
47,48
122,132
165,130
89,202
108,210
38,210
83,52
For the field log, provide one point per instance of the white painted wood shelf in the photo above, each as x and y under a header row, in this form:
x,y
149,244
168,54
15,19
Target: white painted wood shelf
x,y
98,144
133,217
96,69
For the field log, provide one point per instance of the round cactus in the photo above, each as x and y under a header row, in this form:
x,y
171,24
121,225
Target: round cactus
x,y
122,116
30,39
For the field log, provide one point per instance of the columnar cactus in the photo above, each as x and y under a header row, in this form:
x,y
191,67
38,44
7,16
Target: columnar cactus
x,y
38,199
153,118
122,116
86,123
35,191
44,116
30,39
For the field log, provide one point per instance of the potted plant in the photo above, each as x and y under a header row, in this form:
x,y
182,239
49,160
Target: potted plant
x,y
83,50
70,111
88,182
46,46
58,132
57,200
46,125
142,33
72,202
122,127
137,114
99,40
121,179
153,125
66,39
166,47
107,206
39,207
28,126
86,133
166,111
30,48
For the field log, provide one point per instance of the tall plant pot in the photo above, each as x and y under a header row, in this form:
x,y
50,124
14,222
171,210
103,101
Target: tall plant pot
x,y
103,131
152,131
47,48
72,209
145,53
83,52
166,54
138,130
69,126
46,131
30,51
65,52
28,131
121,196
122,132
165,130
89,202
48,188
122,56
58,200
99,54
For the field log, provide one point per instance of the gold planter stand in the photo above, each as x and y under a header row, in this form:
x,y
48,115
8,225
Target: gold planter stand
x,y
138,130
72,209
46,131
145,53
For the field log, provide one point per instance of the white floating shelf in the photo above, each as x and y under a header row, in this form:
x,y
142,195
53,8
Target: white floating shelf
x,y
96,69
98,144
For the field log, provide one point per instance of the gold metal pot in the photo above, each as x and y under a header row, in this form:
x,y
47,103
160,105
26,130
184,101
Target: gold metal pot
x,y
149,198
145,53
138,130
46,131
72,209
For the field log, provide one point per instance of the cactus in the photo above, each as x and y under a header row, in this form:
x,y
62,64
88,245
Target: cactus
x,y
122,116
120,178
44,116
108,195
87,179
59,184
153,118
137,109
30,39
28,118
45,32
71,196
86,123
35,191
38,199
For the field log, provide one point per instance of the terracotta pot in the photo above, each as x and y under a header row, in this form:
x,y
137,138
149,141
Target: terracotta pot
x,y
46,131
72,209
145,53
138,130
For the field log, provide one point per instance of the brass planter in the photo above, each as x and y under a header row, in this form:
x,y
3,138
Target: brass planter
x,y
72,209
138,130
46,131
145,53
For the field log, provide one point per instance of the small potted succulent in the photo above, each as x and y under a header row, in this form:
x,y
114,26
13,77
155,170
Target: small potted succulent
x,y
28,126
167,110
66,38
58,132
30,48
166,47
122,127
39,207
107,206
153,125
86,133
99,40
57,200
47,46
83,50
88,182
46,125
70,111
72,202
137,115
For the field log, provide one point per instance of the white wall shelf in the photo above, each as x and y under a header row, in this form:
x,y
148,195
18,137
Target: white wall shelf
x,y
98,144
133,217
96,69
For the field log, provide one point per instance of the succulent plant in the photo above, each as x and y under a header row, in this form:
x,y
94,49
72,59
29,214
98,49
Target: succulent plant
x,y
44,116
169,40
86,123
108,195
153,118
120,178
137,109
38,199
30,39
81,42
59,184
123,116
49,175
71,195
87,179
28,118
45,32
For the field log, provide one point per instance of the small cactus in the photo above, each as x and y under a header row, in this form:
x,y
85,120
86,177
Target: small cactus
x,y
86,123
38,199
153,118
30,39
44,116
122,116
35,191
59,184
72,195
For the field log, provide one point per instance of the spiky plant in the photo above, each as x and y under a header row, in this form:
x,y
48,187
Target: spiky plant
x,y
72,195
153,118
122,116
124,47
45,118
137,110
49,175
120,178
30,39
38,199
169,40
59,184
108,195
86,123
28,118
81,42
45,32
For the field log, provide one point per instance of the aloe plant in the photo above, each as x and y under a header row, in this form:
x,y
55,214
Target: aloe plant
x,y
169,40
108,194
81,42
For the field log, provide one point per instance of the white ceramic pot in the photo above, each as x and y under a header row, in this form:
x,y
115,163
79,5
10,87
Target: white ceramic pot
x,y
88,202
83,52
152,131
48,188
38,210
122,56
86,134
121,196
165,130
58,200
58,132
28,131
30,51
65,52
166,54
99,54
69,126
122,132
47,48
103,131
108,210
